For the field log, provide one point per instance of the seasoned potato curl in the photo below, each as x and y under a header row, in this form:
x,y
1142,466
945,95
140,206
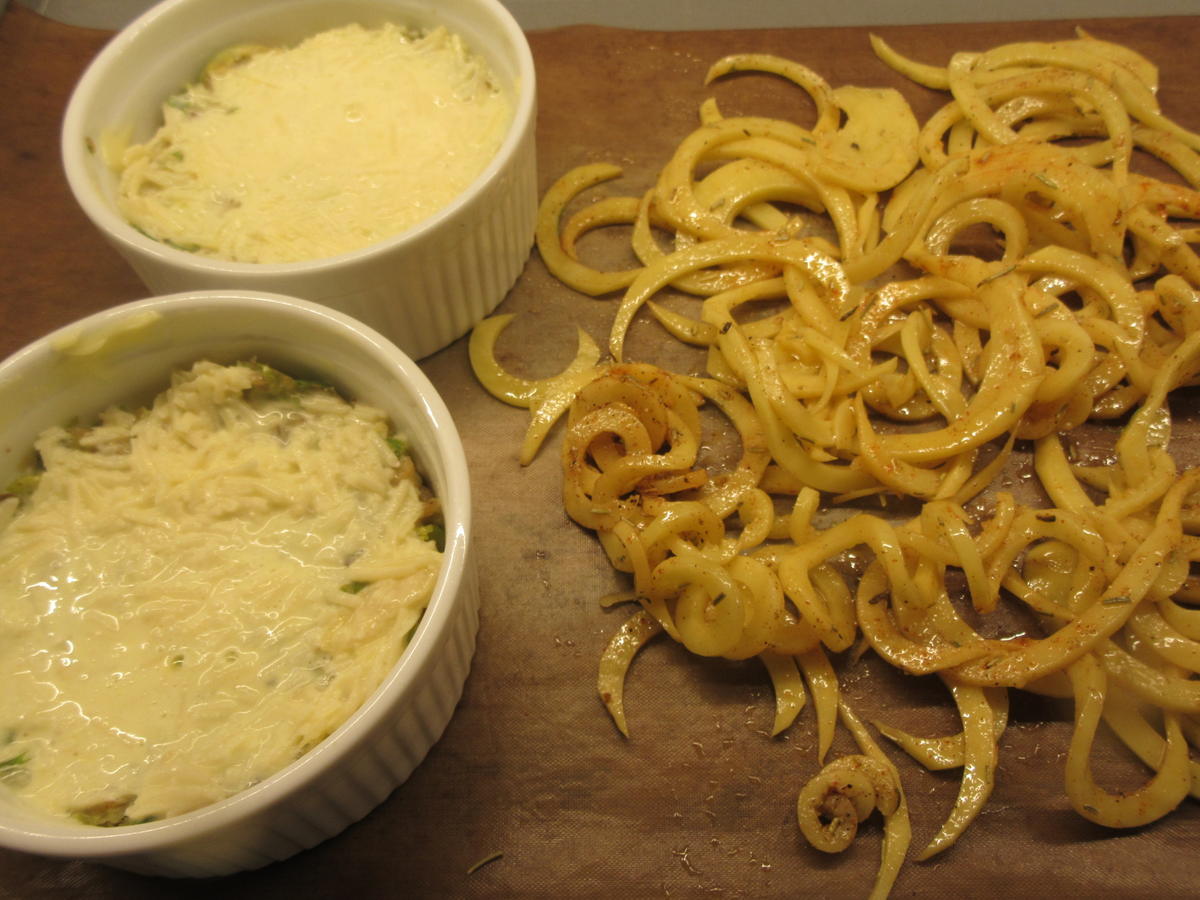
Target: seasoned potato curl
x,y
893,311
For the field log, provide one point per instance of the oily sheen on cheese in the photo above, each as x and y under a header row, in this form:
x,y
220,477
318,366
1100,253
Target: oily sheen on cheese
x,y
195,595
289,154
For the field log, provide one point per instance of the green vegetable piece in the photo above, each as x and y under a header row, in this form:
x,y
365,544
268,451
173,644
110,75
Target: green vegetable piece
x,y
106,814
270,383
184,104
22,486
229,58
408,635
433,531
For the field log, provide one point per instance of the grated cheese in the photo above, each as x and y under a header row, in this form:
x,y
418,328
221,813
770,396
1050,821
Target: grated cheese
x,y
188,600
287,154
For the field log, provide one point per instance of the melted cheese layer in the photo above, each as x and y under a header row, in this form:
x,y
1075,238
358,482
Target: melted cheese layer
x,y
195,596
288,154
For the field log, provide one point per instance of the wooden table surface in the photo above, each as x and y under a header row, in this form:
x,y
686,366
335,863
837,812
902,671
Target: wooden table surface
x,y
698,802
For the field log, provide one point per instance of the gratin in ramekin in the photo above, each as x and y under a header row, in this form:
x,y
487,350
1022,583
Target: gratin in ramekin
x,y
126,354
423,288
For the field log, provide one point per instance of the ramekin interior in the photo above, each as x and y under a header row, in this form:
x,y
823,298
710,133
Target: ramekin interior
x,y
423,287
127,83
127,353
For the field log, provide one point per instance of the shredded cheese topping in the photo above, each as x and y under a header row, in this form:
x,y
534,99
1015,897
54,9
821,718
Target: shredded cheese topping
x,y
288,154
195,595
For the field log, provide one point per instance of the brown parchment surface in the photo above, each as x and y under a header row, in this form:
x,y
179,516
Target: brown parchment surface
x,y
699,801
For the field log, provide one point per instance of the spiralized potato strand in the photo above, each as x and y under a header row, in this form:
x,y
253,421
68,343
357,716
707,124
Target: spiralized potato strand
x,y
1000,273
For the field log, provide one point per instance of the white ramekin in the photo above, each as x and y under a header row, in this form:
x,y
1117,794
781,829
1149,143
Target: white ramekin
x,y
423,288
126,354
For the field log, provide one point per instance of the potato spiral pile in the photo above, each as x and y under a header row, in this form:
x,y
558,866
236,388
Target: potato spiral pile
x,y
887,308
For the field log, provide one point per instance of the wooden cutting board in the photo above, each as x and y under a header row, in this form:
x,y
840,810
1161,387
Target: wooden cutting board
x,y
698,801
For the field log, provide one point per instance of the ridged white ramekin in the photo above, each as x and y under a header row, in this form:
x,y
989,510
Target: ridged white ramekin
x,y
423,288
126,354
